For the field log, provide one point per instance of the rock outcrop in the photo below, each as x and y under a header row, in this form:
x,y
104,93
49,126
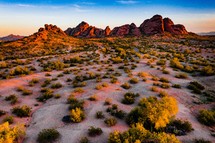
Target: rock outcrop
x,y
126,30
85,30
49,28
107,31
158,25
154,25
170,27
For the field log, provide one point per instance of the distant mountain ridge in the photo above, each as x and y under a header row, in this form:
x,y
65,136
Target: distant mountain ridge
x,y
207,33
11,37
154,25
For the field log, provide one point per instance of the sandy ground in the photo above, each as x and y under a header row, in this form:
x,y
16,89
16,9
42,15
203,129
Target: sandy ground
x,y
49,115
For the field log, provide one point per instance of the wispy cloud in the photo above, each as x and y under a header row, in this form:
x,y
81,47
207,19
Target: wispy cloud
x,y
79,8
127,1
88,3
25,5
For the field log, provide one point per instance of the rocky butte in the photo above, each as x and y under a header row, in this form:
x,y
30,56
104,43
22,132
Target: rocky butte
x,y
155,25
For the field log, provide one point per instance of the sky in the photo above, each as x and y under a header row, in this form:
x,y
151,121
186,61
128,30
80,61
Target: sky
x,y
25,17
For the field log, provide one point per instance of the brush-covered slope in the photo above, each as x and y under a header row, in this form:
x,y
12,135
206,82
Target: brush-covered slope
x,y
48,40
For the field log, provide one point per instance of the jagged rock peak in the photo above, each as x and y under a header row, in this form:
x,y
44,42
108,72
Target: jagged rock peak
x,y
51,28
153,26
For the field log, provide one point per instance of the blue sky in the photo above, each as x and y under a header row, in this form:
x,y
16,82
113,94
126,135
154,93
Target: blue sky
x,y
24,17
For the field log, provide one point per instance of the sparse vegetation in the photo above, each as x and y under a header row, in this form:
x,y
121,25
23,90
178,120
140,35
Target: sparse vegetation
x,y
77,115
110,121
99,115
196,87
129,98
207,117
12,98
153,118
11,134
23,111
48,136
93,131
126,85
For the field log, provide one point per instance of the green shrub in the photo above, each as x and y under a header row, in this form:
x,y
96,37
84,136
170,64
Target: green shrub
x,y
208,70
181,75
105,84
196,87
165,85
84,140
114,111
134,80
143,74
129,98
93,98
92,131
165,72
179,127
110,121
19,71
163,79
175,63
57,96
154,89
77,115
12,98
23,111
161,62
99,115
201,141
46,83
71,99
54,65
75,103
116,60
8,119
48,93
48,136
98,87
56,85
114,80
153,113
33,82
107,101
79,90
176,85
126,85
79,84
2,113
154,78
163,94
138,134
207,117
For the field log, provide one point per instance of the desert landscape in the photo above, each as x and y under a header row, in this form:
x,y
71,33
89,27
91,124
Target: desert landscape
x,y
153,83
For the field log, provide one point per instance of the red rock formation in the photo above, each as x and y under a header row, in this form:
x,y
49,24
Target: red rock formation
x,y
83,26
155,25
152,26
85,30
173,29
126,30
120,31
51,28
107,31
134,30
